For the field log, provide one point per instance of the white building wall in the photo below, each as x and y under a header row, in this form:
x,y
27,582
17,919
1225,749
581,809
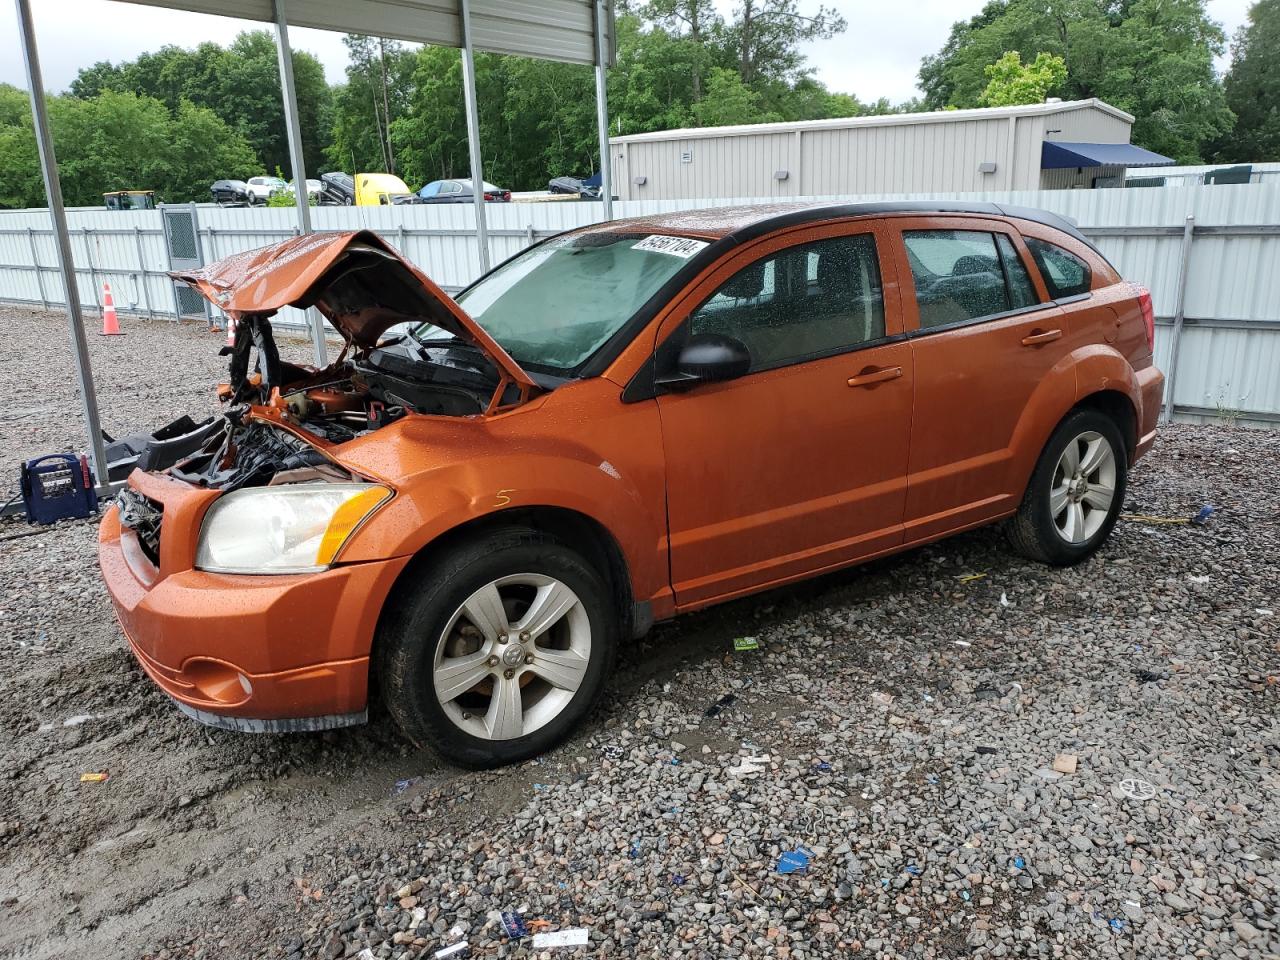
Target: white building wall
x,y
938,152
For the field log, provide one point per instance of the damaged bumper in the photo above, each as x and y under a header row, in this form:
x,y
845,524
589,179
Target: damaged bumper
x,y
247,652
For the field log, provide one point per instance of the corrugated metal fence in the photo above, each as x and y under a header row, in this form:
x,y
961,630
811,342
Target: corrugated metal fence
x,y
1210,255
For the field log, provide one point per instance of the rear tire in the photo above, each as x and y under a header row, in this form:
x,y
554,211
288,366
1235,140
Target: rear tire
x,y
1075,492
495,651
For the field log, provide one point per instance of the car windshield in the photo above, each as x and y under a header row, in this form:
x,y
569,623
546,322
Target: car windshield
x,y
556,305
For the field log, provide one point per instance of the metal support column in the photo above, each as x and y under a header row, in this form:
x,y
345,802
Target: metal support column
x,y
62,244
1179,315
473,133
296,160
602,112
35,260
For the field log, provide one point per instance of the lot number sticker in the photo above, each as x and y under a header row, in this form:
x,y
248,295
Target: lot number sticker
x,y
681,247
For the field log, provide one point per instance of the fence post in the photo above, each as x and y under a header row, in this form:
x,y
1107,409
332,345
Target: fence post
x,y
35,262
142,270
1179,315
528,235
87,233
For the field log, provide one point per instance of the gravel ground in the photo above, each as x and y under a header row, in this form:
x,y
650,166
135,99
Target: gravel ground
x,y
899,723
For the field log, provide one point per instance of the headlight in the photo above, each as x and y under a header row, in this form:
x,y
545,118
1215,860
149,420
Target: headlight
x,y
285,529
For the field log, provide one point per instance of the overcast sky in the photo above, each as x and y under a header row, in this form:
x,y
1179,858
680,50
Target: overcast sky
x,y
877,57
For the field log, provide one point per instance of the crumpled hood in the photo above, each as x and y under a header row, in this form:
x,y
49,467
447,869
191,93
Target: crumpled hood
x,y
355,279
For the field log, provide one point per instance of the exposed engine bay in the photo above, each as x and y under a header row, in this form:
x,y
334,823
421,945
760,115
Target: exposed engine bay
x,y
350,398
282,417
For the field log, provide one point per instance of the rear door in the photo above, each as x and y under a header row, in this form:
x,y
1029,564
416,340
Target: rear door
x,y
985,337
800,464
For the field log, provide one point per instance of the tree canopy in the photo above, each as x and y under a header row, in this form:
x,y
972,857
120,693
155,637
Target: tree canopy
x,y
1150,58
1253,87
176,119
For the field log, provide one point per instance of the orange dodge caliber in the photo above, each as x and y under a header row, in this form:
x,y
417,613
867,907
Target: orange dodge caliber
x,y
482,498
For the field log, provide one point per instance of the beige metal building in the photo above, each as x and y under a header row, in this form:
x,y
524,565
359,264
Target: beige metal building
x,y
1054,145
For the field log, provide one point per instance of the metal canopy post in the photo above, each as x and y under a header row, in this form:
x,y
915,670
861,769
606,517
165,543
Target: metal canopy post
x,y
62,244
285,54
473,133
602,114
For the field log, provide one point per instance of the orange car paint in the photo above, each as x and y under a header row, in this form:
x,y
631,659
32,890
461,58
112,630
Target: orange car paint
x,y
723,490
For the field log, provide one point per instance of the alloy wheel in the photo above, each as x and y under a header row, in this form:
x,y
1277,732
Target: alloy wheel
x,y
512,656
1083,487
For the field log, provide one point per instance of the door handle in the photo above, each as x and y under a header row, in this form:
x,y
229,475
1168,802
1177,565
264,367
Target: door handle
x,y
871,377
1043,336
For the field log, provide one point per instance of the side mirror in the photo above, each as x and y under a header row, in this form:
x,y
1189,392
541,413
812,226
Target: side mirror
x,y
708,358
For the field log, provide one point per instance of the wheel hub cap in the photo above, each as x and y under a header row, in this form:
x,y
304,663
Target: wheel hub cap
x,y
1083,487
512,657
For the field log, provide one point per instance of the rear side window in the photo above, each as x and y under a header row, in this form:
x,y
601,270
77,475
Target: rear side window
x,y
1021,291
1065,274
807,301
961,275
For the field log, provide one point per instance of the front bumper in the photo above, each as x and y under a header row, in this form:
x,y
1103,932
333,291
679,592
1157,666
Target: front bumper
x,y
254,653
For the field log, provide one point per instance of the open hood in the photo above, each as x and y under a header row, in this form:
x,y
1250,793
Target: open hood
x,y
355,279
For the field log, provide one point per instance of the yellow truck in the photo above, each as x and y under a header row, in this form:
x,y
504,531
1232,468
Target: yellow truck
x,y
365,190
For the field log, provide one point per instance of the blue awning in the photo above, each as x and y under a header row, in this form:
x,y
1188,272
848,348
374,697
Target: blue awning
x,y
1057,155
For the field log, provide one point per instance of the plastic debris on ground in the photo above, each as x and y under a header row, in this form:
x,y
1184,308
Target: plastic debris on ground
x,y
612,751
1201,518
794,861
912,869
677,880
961,643
514,925
970,577
403,785
1019,863
94,777
1065,763
750,766
715,708
822,766
746,643
987,751
1004,599
365,954
1131,788
634,851
453,952
573,937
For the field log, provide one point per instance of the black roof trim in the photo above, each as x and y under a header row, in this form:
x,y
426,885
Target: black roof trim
x,y
810,214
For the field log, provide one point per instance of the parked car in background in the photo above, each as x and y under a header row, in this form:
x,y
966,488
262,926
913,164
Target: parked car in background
x,y
129,200
459,191
365,190
261,189
620,424
230,192
586,189
313,187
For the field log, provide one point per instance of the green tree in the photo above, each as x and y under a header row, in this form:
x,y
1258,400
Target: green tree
x,y
118,141
378,89
1151,58
1253,87
728,101
240,83
1011,82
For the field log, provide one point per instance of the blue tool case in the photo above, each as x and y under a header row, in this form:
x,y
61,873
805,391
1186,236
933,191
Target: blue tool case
x,y
57,487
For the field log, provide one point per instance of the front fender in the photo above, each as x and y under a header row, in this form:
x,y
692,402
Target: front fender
x,y
436,501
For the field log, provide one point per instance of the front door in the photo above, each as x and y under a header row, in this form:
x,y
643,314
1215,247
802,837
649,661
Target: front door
x,y
800,464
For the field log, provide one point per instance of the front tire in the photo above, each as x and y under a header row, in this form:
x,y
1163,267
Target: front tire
x,y
1075,493
494,652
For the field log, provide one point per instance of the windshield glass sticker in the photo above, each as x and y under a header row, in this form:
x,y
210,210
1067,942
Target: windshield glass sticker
x,y
681,247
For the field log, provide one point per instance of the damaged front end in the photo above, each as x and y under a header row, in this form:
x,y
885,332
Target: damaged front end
x,y
283,417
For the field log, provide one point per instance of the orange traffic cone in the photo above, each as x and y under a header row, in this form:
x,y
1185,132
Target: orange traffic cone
x,y
110,324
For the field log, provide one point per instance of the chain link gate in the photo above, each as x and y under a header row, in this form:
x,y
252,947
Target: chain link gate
x,y
182,243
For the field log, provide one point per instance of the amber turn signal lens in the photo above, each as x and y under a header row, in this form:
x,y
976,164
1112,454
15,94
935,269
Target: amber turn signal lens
x,y
346,519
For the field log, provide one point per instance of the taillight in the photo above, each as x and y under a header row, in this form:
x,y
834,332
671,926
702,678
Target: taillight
x,y
1148,315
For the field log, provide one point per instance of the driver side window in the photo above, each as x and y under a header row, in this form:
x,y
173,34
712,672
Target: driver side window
x,y
804,302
